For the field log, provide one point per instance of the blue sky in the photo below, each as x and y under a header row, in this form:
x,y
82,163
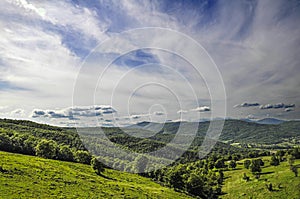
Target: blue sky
x,y
45,46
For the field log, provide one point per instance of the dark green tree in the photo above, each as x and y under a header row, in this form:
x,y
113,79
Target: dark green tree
x,y
247,164
232,164
255,166
46,149
97,166
5,143
294,169
245,177
220,163
274,161
291,160
83,157
65,153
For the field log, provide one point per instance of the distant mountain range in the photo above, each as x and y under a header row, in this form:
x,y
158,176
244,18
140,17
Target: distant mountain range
x,y
266,121
268,130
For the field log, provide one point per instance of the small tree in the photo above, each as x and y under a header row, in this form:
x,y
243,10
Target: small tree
x,y
274,160
260,162
294,169
291,160
245,177
269,186
220,163
280,155
97,166
232,164
255,166
247,164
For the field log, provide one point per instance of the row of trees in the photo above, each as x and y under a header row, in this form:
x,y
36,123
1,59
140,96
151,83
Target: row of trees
x,y
30,145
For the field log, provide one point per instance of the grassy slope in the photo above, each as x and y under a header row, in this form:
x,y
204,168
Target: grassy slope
x,y
236,187
33,177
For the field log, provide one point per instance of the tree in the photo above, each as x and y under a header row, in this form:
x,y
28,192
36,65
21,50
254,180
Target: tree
x,y
255,166
269,186
29,145
195,183
5,143
296,153
245,177
280,155
83,157
97,166
247,164
175,176
46,149
291,160
260,162
65,153
220,163
232,164
294,169
274,160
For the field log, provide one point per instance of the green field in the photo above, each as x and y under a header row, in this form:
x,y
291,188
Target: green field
x,y
284,182
24,176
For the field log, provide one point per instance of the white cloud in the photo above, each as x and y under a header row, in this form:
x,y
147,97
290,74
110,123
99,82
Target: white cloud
x,y
74,112
246,104
202,109
158,113
288,109
182,111
276,106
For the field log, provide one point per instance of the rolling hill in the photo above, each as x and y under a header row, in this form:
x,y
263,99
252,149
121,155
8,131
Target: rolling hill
x,y
23,176
235,130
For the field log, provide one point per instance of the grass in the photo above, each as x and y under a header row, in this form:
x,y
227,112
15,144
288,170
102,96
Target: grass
x,y
32,177
284,182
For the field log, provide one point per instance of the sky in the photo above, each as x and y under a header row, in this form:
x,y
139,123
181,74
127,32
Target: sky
x,y
116,63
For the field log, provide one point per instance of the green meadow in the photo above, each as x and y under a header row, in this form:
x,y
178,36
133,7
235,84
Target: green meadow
x,y
285,184
25,176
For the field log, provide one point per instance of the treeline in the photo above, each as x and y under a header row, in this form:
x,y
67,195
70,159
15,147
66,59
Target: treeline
x,y
44,141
